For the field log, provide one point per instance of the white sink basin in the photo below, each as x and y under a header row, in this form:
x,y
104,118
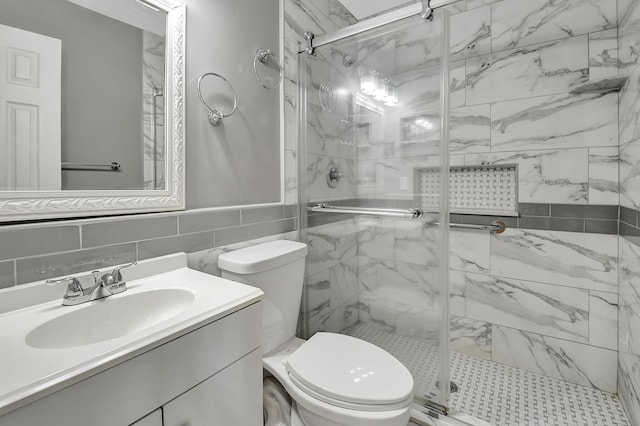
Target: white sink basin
x,y
47,347
110,318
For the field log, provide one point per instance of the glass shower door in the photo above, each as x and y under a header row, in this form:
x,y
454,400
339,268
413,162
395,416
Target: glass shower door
x,y
373,147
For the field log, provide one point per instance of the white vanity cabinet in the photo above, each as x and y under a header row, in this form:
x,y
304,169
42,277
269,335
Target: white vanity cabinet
x,y
231,397
209,375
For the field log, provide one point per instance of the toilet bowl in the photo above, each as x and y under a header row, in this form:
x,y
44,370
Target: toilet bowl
x,y
332,379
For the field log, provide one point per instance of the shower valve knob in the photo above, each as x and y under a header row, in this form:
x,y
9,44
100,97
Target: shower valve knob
x,y
333,177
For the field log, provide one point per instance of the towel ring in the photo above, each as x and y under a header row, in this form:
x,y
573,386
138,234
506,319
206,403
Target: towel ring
x,y
263,56
215,115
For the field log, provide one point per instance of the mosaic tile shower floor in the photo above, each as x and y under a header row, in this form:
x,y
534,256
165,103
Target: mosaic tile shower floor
x,y
499,394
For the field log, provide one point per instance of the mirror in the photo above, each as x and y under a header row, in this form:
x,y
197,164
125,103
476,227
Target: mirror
x,y
91,107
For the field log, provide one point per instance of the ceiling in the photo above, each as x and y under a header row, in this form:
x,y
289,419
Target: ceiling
x,y
364,8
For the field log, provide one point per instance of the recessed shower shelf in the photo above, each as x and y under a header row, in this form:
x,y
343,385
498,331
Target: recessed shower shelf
x,y
490,190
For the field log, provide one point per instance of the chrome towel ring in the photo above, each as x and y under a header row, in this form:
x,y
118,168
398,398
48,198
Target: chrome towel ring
x,y
263,56
215,115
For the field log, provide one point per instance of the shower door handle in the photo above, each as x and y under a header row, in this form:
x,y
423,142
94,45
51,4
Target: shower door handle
x,y
412,213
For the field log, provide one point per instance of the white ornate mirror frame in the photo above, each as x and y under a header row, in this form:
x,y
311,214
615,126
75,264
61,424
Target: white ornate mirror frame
x,y
33,205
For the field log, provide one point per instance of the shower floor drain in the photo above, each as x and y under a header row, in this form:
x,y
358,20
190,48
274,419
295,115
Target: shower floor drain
x,y
453,388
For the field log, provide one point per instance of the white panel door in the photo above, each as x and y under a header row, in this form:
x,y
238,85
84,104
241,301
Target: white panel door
x,y
30,110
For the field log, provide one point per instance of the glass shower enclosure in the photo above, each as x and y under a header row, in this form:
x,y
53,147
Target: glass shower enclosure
x,y
373,166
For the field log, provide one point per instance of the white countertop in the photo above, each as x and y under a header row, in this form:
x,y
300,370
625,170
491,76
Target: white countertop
x,y
28,373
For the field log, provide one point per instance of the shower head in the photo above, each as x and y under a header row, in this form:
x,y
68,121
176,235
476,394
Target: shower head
x,y
347,60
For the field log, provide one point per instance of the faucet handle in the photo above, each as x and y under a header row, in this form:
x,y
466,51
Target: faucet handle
x,y
113,280
74,288
116,272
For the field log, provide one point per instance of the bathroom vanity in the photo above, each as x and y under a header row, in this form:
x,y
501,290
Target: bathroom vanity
x,y
196,361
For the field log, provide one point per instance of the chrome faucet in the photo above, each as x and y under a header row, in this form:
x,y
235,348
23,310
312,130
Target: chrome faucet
x,y
106,285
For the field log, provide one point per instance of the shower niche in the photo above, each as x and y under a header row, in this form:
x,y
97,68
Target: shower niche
x,y
480,190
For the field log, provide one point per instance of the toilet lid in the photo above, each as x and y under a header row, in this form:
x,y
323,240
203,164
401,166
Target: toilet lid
x,y
350,370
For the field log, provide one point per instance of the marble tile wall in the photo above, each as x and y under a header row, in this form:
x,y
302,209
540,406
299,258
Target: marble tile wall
x,y
331,292
629,312
328,144
629,327
407,136
543,301
514,65
629,47
331,288
399,274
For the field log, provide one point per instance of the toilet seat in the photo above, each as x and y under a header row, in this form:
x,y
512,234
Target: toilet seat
x,y
350,373
348,405
316,412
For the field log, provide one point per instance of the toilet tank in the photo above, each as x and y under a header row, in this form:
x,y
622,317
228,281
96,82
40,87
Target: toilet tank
x,y
277,268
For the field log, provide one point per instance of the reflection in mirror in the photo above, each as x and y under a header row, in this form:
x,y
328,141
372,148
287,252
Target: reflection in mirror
x,y
84,88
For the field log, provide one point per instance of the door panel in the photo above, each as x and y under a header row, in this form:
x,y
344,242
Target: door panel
x,y
30,110
373,114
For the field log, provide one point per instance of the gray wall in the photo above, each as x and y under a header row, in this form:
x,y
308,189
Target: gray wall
x,y
39,251
237,162
101,103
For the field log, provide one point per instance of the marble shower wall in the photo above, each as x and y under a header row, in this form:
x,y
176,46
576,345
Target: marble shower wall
x,y
325,149
399,139
629,313
330,301
543,301
513,66
399,277
331,291
629,327
629,46
153,76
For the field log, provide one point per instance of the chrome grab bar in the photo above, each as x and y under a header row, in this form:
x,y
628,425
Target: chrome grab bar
x,y
497,226
413,213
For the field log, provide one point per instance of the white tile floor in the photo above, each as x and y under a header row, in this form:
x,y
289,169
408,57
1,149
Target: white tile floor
x,y
499,394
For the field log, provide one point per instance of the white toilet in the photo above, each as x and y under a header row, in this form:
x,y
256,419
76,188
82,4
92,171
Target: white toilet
x,y
332,378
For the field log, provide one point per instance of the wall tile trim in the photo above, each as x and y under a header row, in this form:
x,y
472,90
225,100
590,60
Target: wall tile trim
x,y
38,251
597,219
